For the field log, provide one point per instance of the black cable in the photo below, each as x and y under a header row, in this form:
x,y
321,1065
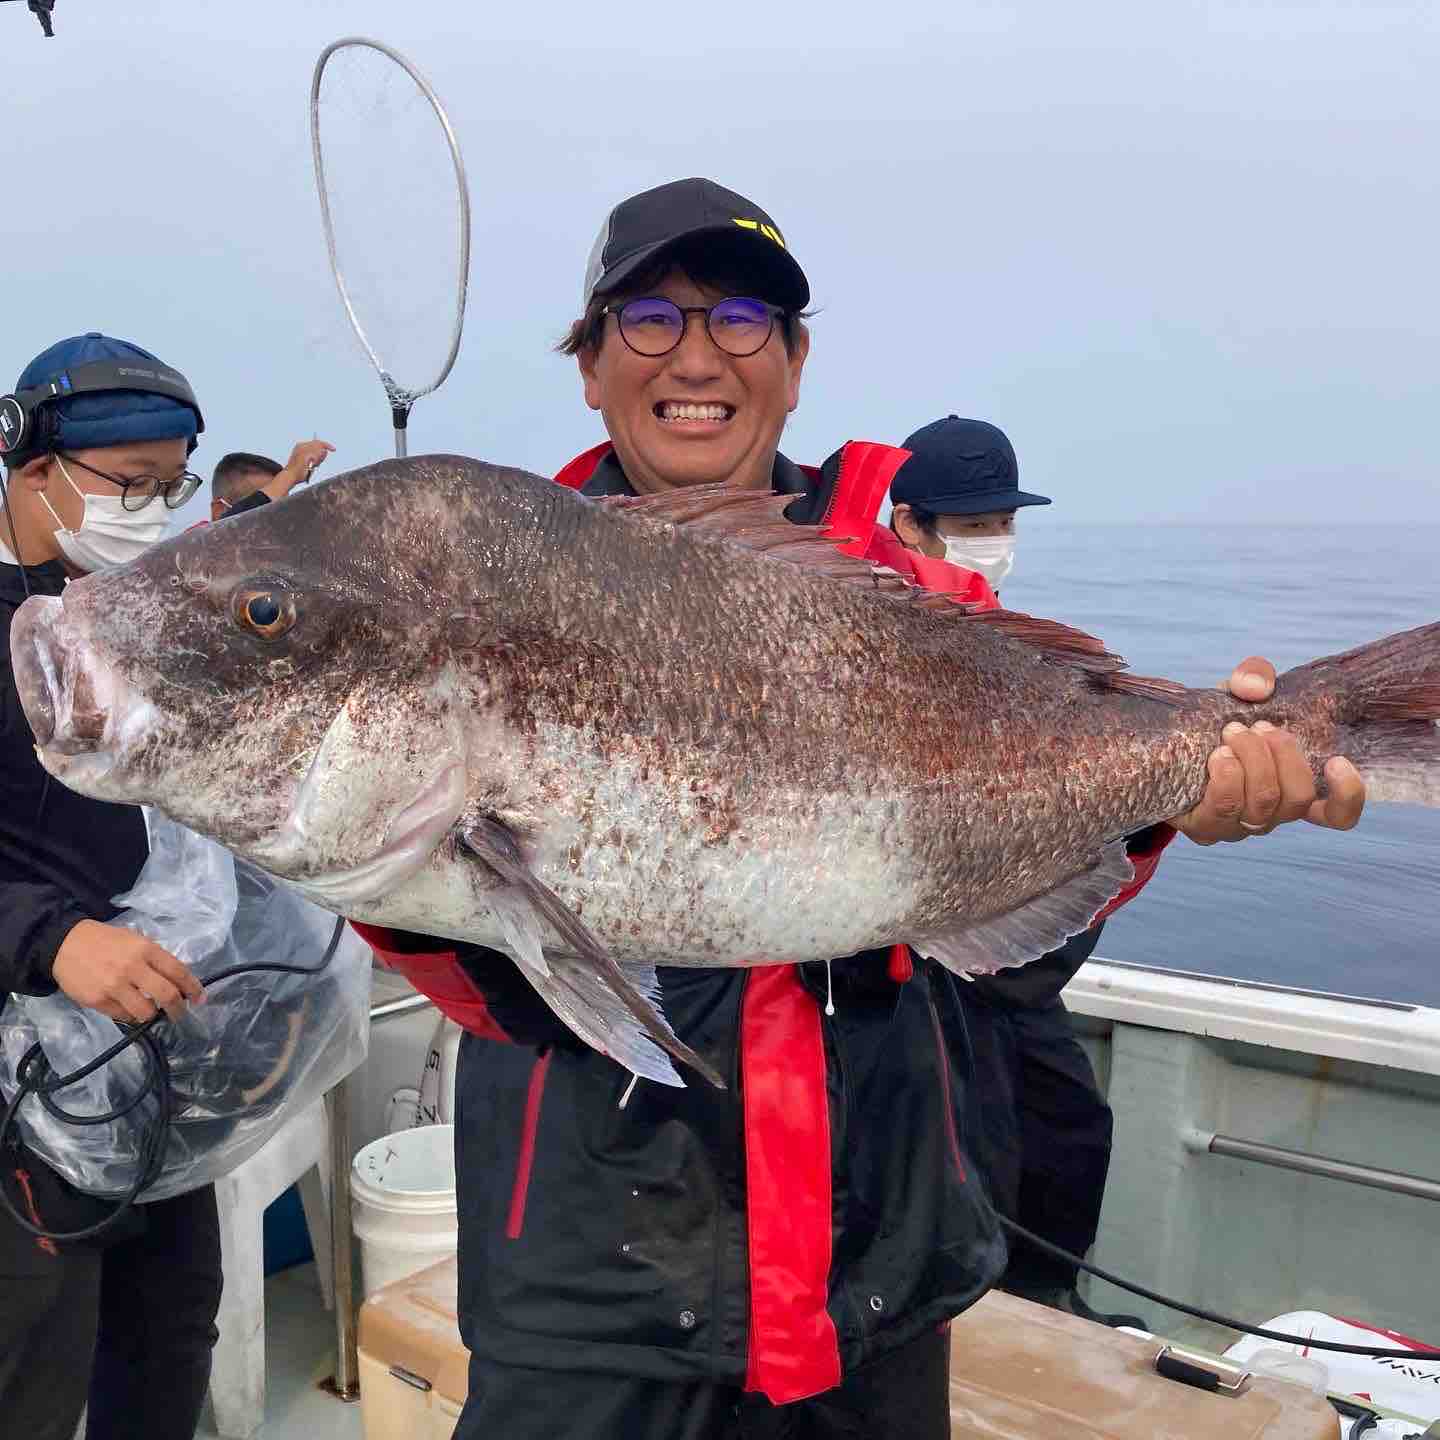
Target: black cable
x,y
1046,1248
34,1076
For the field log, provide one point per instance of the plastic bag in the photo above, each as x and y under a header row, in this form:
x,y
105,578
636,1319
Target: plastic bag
x,y
259,1049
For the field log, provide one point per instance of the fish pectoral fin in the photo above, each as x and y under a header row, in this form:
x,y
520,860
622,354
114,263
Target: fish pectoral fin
x,y
1038,926
613,1008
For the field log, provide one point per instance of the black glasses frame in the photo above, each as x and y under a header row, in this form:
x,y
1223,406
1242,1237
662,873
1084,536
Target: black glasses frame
x,y
174,492
686,311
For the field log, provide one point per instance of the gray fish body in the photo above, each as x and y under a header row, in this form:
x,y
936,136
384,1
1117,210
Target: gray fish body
x,y
706,754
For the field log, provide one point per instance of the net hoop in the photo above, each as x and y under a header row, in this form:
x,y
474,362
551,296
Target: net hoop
x,y
401,397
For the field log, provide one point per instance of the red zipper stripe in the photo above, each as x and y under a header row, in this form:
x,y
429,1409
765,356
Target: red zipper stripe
x,y
900,965
794,1351
526,1160
44,1242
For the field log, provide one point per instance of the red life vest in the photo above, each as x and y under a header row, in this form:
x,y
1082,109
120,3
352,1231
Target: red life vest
x,y
861,485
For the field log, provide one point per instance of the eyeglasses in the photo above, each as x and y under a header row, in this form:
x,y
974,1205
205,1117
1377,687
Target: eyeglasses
x,y
137,491
654,326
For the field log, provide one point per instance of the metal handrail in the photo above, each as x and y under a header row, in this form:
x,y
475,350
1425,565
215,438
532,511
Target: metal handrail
x,y
346,1381
1304,1163
406,1005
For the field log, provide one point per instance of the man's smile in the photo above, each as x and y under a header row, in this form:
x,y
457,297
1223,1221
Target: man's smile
x,y
690,412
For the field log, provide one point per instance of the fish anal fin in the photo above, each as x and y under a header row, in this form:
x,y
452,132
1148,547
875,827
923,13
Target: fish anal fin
x,y
623,1003
1037,927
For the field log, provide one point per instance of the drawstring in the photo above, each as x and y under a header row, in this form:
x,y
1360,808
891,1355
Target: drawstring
x,y
829,990
629,1091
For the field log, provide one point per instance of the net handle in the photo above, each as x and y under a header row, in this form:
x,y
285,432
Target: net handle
x,y
400,397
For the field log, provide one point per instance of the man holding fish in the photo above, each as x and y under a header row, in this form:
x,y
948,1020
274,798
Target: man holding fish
x,y
661,1262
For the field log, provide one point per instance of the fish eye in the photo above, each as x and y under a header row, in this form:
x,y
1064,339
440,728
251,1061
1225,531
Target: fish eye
x,y
268,613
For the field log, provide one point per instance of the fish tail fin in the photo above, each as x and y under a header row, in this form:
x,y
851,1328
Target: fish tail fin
x,y
1384,699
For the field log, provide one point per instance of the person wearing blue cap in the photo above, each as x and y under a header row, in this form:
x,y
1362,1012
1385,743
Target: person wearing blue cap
x,y
96,439
955,498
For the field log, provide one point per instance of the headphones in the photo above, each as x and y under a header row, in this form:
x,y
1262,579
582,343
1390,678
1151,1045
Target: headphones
x,y
30,423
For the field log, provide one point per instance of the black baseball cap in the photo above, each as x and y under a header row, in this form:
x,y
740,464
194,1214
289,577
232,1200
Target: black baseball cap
x,y
639,230
961,467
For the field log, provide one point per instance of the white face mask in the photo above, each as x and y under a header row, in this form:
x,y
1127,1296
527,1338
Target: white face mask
x,y
108,534
992,556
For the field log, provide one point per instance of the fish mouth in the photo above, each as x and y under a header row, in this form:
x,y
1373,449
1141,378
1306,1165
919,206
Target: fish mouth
x,y
82,714
33,662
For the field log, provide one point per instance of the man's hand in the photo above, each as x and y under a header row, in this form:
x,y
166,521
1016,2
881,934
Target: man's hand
x,y
122,974
304,459
1259,779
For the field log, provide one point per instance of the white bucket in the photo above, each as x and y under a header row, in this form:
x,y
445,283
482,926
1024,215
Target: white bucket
x,y
403,1197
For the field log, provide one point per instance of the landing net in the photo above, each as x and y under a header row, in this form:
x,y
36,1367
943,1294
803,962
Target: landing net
x,y
396,210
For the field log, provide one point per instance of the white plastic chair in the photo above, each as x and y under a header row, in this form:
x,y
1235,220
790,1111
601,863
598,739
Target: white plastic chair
x,y
300,1151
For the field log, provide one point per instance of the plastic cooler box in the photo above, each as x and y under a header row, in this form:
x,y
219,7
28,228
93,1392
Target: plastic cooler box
x,y
1018,1372
414,1370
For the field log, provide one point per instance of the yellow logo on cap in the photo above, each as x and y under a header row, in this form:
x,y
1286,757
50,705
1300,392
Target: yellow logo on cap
x,y
769,231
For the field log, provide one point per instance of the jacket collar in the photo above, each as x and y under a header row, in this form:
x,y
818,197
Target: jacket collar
x,y
608,478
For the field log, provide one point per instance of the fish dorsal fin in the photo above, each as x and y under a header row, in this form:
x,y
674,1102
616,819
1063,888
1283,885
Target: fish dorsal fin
x,y
755,520
1060,642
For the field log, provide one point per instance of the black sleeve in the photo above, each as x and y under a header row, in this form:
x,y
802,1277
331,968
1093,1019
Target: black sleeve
x,y
250,502
62,856
36,920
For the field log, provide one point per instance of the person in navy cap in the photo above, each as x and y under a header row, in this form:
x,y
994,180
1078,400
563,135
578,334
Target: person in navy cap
x,y
955,498
96,439
1039,1128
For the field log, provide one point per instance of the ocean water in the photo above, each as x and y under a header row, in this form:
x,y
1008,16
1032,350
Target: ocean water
x,y
1357,913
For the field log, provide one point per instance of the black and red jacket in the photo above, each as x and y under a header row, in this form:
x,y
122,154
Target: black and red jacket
x,y
816,1214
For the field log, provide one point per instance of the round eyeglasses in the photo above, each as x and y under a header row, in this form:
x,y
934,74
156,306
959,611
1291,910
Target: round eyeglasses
x,y
654,326
137,491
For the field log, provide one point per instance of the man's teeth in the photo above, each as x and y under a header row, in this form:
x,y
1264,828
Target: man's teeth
x,y
671,410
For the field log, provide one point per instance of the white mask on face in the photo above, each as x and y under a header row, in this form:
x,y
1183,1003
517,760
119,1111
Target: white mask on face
x,y
108,534
992,556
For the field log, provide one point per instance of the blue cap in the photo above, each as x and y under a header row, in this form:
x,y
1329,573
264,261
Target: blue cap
x,y
111,417
961,467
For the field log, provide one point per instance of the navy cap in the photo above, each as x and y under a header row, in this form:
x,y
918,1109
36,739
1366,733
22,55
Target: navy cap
x,y
639,230
961,467
94,420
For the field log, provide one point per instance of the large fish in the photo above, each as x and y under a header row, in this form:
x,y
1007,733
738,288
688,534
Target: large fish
x,y
459,699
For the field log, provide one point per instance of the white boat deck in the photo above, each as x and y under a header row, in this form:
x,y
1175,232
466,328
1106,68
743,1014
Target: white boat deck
x,y
299,1355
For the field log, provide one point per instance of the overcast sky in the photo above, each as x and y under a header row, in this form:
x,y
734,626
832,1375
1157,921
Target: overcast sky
x,y
1184,253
